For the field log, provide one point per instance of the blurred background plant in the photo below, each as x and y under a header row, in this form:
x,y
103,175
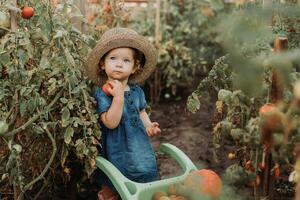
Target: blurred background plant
x,y
256,86
187,47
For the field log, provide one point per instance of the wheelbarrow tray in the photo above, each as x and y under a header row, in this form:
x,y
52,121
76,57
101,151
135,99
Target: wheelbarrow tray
x,y
130,190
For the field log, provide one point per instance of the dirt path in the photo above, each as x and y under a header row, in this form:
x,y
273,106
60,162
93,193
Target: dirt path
x,y
189,132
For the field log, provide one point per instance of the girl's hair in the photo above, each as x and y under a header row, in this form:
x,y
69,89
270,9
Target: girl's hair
x,y
139,61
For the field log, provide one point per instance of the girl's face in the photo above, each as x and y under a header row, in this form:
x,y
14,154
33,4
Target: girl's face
x,y
119,64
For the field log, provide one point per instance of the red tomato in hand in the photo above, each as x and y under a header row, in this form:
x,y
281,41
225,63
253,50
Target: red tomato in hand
x,y
105,88
27,12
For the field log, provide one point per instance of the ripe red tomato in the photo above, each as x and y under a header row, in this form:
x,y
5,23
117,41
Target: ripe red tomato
x,y
262,166
272,118
266,108
105,88
276,171
27,12
108,8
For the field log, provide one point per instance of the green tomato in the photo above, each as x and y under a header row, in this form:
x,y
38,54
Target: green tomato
x,y
3,127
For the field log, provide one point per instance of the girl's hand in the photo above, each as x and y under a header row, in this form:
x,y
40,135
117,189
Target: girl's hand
x,y
117,89
153,129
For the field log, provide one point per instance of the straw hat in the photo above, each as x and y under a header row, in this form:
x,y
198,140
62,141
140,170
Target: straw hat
x,y
121,37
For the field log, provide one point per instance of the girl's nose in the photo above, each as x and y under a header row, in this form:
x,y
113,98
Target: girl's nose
x,y
119,63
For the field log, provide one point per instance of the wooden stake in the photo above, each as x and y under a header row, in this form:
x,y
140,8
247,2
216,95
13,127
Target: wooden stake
x,y
13,17
155,88
276,95
76,21
276,91
280,44
157,24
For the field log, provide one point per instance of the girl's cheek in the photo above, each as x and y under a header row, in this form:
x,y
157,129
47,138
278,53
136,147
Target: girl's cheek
x,y
110,63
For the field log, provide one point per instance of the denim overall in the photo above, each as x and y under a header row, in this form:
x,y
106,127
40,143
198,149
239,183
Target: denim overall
x,y
127,146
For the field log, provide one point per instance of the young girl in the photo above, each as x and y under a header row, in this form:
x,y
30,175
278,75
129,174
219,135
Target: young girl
x,y
123,59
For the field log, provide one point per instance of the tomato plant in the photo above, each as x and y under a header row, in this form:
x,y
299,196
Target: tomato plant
x,y
47,116
257,106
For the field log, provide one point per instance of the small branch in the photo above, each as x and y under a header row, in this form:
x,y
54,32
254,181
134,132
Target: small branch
x,y
86,103
42,189
29,185
3,28
15,102
35,117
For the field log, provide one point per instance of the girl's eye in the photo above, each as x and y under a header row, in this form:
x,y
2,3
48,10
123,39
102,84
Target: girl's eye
x,y
112,58
126,60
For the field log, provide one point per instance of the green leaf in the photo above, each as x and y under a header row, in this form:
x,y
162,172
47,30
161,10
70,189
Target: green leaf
x,y
81,148
63,100
17,148
60,34
22,56
65,117
4,58
23,108
68,135
193,103
44,62
32,104
225,95
69,57
37,129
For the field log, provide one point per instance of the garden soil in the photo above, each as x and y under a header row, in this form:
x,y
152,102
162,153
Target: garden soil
x,y
189,132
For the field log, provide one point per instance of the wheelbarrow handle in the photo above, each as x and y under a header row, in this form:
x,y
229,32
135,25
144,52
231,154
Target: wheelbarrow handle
x,y
181,158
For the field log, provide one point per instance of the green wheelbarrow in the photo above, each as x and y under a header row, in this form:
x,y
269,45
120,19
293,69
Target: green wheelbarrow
x,y
130,190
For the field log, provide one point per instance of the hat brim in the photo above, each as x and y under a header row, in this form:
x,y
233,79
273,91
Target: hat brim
x,y
122,40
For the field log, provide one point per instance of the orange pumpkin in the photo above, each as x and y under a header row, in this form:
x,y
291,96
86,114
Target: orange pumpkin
x,y
204,181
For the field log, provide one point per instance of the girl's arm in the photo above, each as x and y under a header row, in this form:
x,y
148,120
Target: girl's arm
x,y
152,128
112,117
145,118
